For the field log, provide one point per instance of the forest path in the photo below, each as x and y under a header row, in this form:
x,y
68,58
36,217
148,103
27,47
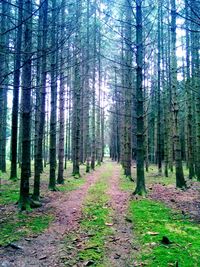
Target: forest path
x,y
120,246
42,250
47,249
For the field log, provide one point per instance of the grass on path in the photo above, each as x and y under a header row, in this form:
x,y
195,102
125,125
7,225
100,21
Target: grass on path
x,y
95,225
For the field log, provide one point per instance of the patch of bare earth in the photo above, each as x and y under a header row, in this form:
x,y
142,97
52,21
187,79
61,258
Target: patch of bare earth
x,y
43,250
188,201
120,245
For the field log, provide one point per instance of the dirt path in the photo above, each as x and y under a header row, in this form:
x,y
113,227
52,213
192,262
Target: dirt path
x,y
46,249
119,246
43,250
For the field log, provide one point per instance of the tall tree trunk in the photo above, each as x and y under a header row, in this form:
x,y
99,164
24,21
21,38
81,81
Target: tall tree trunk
x,y
4,44
189,131
24,200
140,186
93,96
41,120
98,135
159,146
77,94
53,117
195,43
16,83
60,178
128,77
180,181
87,88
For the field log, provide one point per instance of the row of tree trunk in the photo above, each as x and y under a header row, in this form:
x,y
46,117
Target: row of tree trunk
x,y
156,100
55,76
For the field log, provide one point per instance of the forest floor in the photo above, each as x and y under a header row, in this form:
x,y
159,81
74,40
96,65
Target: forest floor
x,y
96,221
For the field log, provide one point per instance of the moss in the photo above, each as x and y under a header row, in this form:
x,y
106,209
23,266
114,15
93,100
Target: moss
x,y
152,221
9,193
23,225
71,184
96,218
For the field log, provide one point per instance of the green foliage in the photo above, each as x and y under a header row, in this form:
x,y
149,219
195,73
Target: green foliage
x,y
154,220
22,225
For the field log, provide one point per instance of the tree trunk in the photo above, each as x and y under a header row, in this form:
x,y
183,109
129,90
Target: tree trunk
x,y
128,78
77,94
52,152
180,181
41,115
60,178
159,146
140,186
16,83
93,96
24,200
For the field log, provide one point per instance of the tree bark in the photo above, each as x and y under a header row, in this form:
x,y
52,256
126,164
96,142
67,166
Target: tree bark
x,y
24,200
180,181
53,117
140,186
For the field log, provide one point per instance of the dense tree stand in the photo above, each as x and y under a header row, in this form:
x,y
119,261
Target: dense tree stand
x,y
82,80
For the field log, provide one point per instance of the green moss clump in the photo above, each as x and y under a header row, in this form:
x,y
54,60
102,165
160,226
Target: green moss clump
x,y
21,225
152,221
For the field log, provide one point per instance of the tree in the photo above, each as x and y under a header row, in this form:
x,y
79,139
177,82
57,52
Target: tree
x,y
53,117
93,158
180,181
140,187
24,200
159,152
76,93
128,87
60,178
42,93
4,69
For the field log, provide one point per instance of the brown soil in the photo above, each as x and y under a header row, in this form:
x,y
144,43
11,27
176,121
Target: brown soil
x,y
187,201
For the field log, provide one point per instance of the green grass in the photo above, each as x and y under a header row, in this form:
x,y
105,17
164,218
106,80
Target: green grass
x,y
153,217
9,190
96,215
23,225
71,184
151,177
126,184
9,193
